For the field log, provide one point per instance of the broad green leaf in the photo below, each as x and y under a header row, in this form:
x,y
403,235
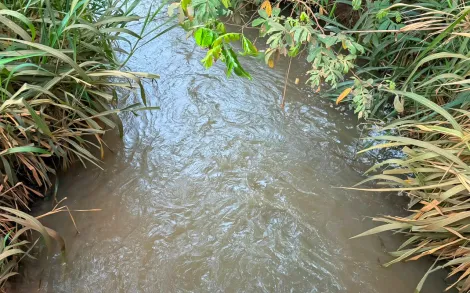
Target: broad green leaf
x,y
258,21
204,37
227,38
248,47
231,61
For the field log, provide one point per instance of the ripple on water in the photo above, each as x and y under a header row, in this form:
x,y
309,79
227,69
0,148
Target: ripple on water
x,y
223,191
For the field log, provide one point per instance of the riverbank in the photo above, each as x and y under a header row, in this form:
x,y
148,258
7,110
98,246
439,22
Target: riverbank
x,y
60,80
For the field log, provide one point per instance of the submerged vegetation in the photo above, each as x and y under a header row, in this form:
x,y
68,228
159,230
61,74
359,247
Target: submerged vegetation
x,y
405,64
60,82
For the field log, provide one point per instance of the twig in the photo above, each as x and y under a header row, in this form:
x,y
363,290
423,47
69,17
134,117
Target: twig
x,y
285,85
392,31
312,14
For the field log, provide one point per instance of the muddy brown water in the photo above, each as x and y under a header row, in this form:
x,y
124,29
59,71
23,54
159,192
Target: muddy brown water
x,y
223,191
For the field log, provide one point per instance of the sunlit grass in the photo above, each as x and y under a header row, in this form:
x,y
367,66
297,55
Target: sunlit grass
x,y
431,68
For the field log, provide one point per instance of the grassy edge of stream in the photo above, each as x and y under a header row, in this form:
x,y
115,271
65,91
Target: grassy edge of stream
x,y
60,79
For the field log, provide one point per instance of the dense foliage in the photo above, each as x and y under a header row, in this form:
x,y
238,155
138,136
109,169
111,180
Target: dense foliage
x,y
60,78
404,62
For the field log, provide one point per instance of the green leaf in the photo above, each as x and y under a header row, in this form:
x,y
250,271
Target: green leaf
x,y
231,60
184,4
56,53
226,3
293,51
442,55
15,28
22,18
356,4
248,47
442,35
384,25
431,105
212,54
258,21
221,28
204,37
11,59
263,13
24,149
227,38
276,11
41,124
328,40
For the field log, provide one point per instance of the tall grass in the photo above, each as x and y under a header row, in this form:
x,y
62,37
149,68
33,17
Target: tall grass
x,y
60,76
427,58
421,48
434,172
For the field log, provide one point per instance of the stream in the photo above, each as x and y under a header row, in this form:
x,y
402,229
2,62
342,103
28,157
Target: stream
x,y
221,190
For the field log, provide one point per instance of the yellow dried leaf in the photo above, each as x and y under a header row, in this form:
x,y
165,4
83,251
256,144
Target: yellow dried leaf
x,y
462,34
190,12
455,233
266,5
269,9
344,44
271,63
422,127
429,206
343,95
296,81
431,251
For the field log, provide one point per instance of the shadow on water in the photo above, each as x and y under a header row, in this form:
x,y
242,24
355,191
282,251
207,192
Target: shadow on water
x,y
223,191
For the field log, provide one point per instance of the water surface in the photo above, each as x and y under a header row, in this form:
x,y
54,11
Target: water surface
x,y
223,191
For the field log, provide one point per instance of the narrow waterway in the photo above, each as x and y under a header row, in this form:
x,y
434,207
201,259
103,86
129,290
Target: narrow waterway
x,y
223,191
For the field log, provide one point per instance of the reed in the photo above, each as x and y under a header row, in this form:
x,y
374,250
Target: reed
x,y
61,78
421,68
